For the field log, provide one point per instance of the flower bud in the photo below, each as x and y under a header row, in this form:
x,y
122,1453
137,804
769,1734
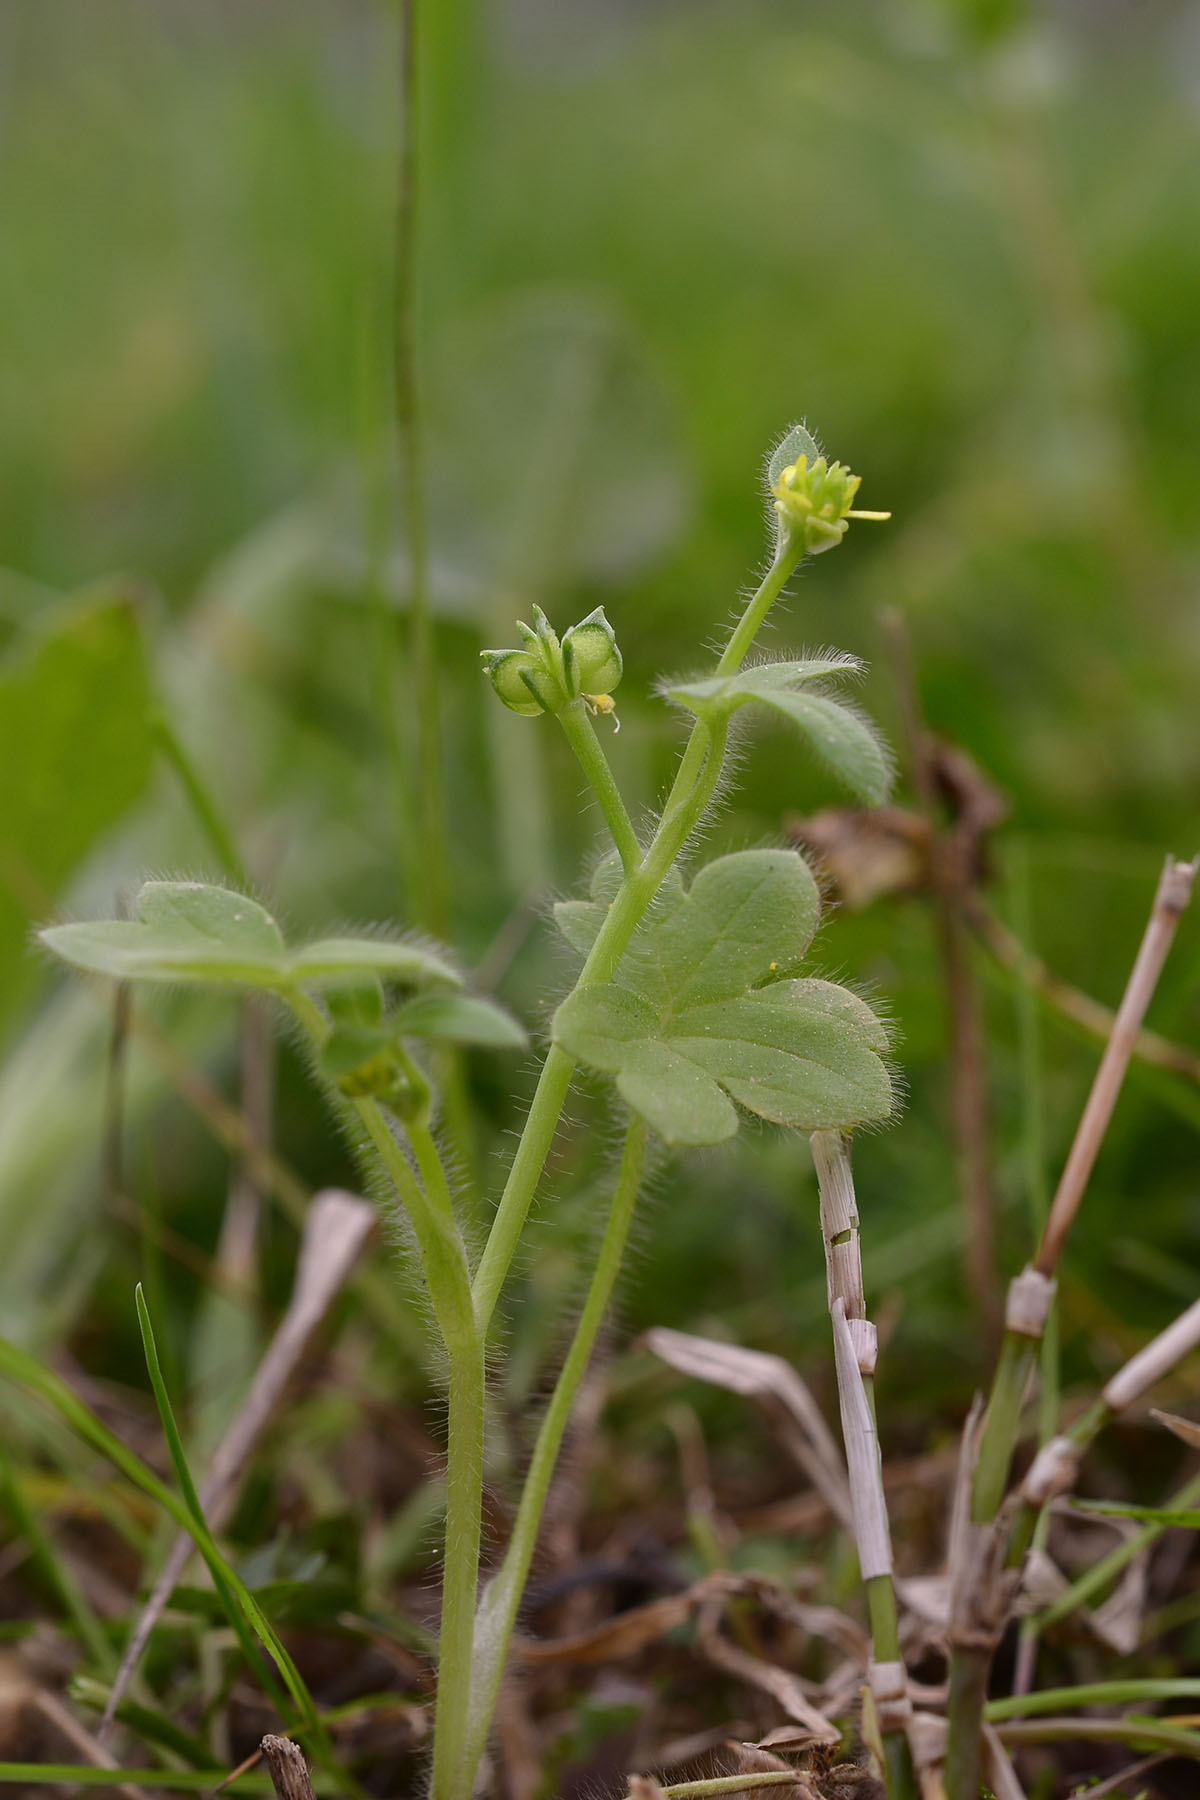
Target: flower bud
x,y
547,674
591,657
520,679
814,502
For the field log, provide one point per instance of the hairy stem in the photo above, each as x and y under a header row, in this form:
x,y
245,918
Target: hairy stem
x,y
751,621
444,1265
501,1599
693,788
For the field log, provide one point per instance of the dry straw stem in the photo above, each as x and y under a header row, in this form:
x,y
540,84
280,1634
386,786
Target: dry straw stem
x,y
1056,1465
854,1349
839,1223
1081,1009
335,1235
721,1784
871,1533
1029,1303
1170,902
287,1768
1157,1359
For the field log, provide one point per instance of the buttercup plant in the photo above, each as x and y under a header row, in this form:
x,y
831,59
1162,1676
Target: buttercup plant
x,y
690,994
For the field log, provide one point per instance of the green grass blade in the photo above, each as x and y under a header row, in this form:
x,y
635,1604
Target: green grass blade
x,y
243,1611
18,1365
180,1781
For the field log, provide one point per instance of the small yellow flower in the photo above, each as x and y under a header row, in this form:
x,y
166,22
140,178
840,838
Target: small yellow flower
x,y
814,502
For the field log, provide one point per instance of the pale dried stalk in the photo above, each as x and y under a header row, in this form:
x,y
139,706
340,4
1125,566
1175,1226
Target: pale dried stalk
x,y
1001,1776
839,1223
1157,1359
1054,1469
335,1234
926,1734
855,1349
288,1769
1170,901
871,1534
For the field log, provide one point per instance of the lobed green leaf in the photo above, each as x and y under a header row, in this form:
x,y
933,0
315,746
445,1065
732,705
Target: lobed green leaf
x,y
706,1010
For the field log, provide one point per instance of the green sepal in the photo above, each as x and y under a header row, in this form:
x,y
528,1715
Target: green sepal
x,y
592,655
843,740
516,676
705,1011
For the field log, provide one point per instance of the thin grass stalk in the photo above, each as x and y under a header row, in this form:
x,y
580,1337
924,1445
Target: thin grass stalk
x,y
335,1232
1024,1329
429,874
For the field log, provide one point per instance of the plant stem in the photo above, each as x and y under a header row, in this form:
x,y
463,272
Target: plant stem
x,y
205,808
1095,1693
444,1264
694,786
1148,1733
730,1784
581,735
748,626
1017,1356
502,1597
460,1568
537,1135
429,877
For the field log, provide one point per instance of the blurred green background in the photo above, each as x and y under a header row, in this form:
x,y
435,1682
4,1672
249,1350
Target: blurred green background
x,y
961,240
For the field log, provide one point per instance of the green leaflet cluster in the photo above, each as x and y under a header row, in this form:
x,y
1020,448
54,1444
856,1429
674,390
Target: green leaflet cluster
x,y
706,1008
191,933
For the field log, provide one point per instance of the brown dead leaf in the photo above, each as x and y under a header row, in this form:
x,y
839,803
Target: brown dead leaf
x,y
1186,1430
760,1376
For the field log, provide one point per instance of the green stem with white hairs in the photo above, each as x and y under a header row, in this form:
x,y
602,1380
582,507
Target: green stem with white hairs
x,y
691,792
502,1597
474,1643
